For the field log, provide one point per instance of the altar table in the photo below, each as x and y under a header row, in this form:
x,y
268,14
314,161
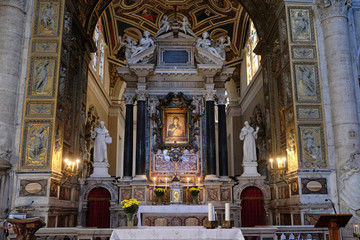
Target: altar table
x,y
183,233
165,209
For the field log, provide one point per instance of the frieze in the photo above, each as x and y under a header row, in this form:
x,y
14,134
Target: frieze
x,y
42,79
47,20
45,46
303,52
312,146
301,25
35,152
39,109
308,113
307,86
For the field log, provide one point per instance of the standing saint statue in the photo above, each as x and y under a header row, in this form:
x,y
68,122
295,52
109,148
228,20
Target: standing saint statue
x,y
248,135
102,137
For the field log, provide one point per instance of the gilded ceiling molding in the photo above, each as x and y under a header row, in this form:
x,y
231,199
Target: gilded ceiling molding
x,y
21,4
333,8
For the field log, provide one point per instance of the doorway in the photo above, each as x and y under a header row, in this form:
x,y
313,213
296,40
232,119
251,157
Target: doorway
x,y
252,207
99,208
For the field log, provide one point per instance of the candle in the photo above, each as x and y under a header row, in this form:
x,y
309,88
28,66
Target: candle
x,y
154,181
210,212
271,163
356,229
227,211
199,182
188,179
165,183
77,164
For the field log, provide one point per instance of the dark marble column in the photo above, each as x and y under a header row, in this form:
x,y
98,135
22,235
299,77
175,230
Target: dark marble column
x,y
210,139
222,137
128,143
140,136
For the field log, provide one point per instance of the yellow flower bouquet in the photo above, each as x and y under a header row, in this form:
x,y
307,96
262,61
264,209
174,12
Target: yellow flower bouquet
x,y
130,206
194,191
160,192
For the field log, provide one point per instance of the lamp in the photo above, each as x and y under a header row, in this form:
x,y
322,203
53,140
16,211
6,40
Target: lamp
x,y
71,169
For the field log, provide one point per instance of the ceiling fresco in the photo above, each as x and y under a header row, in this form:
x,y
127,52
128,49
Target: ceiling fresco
x,y
218,17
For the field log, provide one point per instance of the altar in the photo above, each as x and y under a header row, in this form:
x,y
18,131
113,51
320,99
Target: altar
x,y
163,210
188,233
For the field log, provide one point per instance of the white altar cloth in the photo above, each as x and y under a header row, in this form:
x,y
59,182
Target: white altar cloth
x,y
165,209
167,233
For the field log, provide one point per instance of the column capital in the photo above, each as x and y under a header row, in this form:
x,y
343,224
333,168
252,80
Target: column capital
x,y
221,96
333,8
141,94
21,4
129,98
209,92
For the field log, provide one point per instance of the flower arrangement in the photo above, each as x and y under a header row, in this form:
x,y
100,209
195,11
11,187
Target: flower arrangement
x,y
160,192
130,206
194,191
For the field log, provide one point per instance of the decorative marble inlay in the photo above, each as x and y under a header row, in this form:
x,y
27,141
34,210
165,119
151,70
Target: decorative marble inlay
x,y
309,113
42,77
303,52
39,109
47,46
314,186
33,188
307,87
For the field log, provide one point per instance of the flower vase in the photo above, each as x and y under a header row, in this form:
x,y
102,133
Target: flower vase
x,y
160,200
194,200
130,220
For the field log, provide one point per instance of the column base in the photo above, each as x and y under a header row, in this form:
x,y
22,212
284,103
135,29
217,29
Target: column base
x,y
127,179
250,169
225,179
211,178
140,178
100,170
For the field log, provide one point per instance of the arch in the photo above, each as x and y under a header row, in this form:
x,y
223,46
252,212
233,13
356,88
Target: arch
x,y
107,185
252,207
258,10
99,208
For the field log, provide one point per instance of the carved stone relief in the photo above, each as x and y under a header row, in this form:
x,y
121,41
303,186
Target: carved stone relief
x,y
39,109
47,46
42,77
47,21
307,113
306,82
36,144
349,181
303,52
312,146
301,25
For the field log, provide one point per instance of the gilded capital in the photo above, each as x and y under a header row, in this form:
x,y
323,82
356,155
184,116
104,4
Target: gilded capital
x,y
21,4
333,8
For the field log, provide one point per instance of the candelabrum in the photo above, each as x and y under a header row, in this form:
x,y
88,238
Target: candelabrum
x,y
278,170
70,169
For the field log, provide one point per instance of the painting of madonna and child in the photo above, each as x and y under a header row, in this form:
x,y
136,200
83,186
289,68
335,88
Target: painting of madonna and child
x,y
176,127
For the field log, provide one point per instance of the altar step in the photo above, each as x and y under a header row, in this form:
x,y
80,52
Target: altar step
x,y
256,233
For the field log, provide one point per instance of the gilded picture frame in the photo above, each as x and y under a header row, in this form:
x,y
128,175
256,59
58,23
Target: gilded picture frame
x,y
176,129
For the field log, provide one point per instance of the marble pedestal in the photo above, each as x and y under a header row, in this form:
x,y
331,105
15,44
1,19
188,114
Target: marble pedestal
x,y
100,170
250,169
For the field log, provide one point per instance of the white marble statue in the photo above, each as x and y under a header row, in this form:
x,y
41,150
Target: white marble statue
x,y
164,26
145,43
186,27
130,45
221,45
205,43
102,137
248,135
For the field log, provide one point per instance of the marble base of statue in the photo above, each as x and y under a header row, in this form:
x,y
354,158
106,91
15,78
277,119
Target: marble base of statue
x,y
100,170
250,169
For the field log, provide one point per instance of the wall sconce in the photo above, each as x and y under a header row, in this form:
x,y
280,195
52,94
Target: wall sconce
x,y
71,169
278,170
357,231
